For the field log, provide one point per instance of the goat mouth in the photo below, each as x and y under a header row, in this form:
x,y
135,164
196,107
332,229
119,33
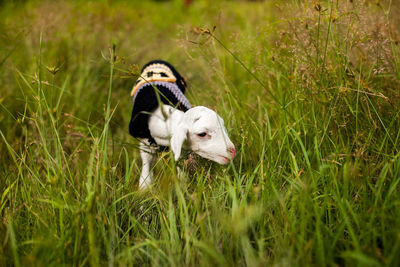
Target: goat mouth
x,y
220,159
226,160
216,158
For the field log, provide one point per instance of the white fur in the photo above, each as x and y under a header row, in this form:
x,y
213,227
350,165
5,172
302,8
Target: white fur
x,y
177,129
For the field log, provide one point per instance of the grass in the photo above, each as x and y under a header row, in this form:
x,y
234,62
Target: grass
x,y
310,97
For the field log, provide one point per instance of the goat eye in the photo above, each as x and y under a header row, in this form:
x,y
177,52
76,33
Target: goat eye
x,y
202,134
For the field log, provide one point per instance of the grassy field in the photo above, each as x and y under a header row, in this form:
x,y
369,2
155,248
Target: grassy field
x,y
310,94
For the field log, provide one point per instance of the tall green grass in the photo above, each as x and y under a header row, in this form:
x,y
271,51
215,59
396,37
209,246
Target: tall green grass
x,y
309,93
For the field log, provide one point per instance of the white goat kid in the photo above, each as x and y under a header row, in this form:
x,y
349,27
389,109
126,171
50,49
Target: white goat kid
x,y
199,129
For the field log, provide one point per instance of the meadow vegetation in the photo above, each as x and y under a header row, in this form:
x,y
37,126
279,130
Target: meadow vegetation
x,y
310,94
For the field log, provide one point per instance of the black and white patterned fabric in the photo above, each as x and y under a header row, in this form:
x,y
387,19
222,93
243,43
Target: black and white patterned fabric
x,y
157,78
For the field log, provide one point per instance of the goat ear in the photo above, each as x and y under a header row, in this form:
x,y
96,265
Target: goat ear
x,y
178,137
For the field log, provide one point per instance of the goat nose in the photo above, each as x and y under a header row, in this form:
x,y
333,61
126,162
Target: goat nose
x,y
232,150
